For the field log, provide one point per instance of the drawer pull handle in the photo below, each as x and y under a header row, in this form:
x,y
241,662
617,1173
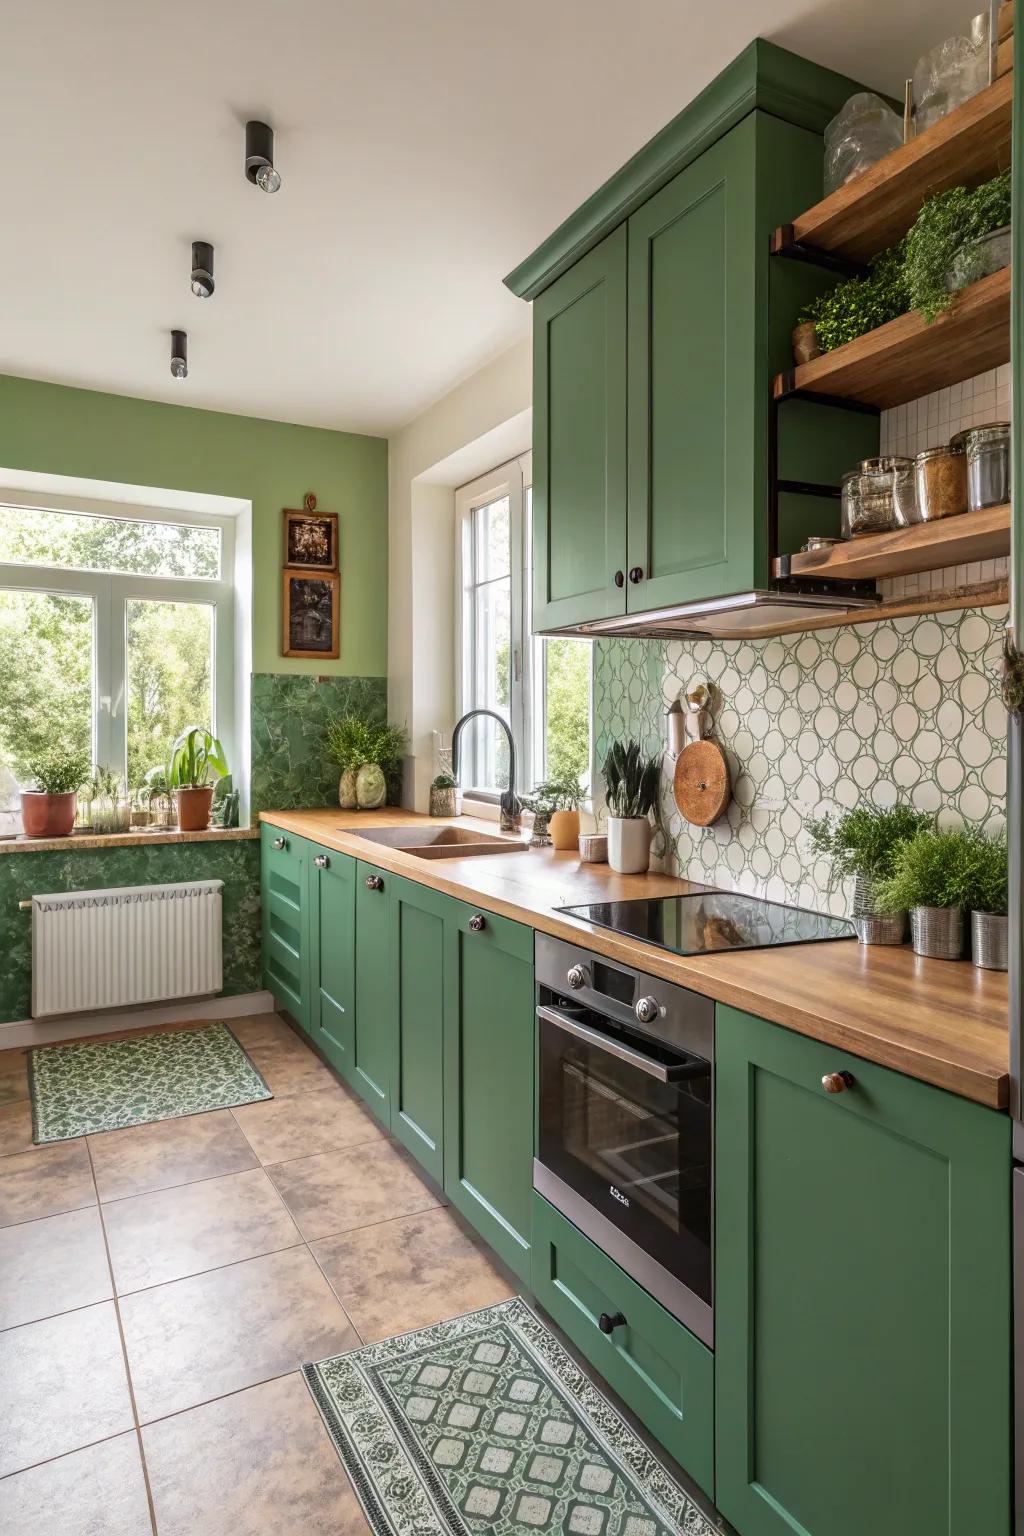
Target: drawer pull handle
x,y
478,922
322,861
374,883
837,1082
279,843
608,1322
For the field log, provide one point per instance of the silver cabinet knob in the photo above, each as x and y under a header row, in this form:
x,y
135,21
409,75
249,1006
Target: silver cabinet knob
x,y
374,883
576,977
478,922
279,843
322,861
647,1010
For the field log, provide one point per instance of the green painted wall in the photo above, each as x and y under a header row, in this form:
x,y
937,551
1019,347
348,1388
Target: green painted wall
x,y
52,429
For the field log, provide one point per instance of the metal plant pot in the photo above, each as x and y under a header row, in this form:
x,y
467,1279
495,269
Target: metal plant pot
x,y
938,932
881,927
863,896
989,934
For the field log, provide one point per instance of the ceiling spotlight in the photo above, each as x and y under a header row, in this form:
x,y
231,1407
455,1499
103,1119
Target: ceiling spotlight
x,y
202,269
179,355
259,156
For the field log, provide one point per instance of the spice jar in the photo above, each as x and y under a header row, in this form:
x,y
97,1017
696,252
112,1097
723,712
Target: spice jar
x,y
941,475
904,493
988,464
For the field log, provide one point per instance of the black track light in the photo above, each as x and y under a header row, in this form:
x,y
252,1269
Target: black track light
x,y
179,355
259,156
202,269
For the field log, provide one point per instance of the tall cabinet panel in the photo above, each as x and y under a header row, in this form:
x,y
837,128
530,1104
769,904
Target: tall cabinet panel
x,y
373,1048
418,977
332,890
285,902
579,440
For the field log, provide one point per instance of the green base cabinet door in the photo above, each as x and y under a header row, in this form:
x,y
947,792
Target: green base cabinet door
x,y
862,1325
284,883
332,925
369,1071
489,1052
417,916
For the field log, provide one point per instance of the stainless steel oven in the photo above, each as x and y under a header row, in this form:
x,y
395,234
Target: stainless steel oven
x,y
625,1125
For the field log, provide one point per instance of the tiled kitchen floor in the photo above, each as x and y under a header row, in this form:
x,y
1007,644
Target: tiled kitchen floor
x,y
161,1286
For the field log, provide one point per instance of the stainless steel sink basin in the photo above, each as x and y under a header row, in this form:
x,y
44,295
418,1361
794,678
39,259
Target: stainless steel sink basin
x,y
438,842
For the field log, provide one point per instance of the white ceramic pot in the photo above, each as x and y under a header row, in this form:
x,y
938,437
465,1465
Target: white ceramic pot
x,y
629,844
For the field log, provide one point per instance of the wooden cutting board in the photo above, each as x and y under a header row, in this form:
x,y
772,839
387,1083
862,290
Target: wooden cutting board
x,y
701,783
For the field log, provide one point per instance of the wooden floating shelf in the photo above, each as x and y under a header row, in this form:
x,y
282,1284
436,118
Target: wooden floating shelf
x,y
988,594
961,540
907,358
872,212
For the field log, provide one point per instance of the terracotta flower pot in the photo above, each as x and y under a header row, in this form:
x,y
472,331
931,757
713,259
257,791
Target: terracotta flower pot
x,y
806,346
194,807
564,827
47,815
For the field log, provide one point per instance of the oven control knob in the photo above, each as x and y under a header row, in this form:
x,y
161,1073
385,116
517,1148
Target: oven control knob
x,y
576,977
647,1010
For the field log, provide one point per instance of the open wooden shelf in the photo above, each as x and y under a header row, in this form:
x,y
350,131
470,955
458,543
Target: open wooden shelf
x,y
962,540
870,213
907,358
988,594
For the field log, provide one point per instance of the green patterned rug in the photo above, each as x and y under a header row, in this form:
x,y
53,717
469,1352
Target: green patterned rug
x,y
80,1089
485,1423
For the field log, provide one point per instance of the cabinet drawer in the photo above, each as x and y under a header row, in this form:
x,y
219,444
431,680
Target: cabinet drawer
x,y
282,865
655,1364
496,932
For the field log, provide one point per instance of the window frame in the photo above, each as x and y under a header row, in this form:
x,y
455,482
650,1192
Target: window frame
x,y
111,592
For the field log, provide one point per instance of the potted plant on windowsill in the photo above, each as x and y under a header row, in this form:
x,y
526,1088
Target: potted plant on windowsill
x,y
49,810
863,843
631,782
933,879
561,797
445,796
196,761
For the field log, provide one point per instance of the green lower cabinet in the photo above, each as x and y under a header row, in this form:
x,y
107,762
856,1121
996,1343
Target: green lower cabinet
x,y
332,927
489,1053
369,1071
417,916
656,1365
862,1326
285,903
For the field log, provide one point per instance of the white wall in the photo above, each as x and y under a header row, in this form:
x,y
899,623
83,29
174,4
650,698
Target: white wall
x,y
482,422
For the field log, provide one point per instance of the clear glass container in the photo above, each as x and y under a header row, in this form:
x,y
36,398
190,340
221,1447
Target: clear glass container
x,y
904,493
867,500
987,449
941,475
861,133
951,73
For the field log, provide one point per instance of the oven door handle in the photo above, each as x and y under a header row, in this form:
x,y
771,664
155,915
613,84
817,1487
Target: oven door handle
x,y
613,1047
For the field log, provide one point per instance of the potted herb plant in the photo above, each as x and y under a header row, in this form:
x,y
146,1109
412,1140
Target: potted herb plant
x,y
863,843
562,797
49,809
370,759
196,760
989,901
933,879
631,782
444,796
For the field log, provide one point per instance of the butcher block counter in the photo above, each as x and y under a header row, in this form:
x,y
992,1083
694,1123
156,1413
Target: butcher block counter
x,y
944,1022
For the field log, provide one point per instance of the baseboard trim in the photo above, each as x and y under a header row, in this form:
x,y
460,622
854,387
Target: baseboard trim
x,y
76,1026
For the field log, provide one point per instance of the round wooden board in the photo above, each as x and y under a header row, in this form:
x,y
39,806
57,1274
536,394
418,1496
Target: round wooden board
x,y
701,783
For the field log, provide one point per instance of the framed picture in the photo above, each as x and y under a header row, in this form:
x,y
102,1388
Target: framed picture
x,y
310,538
310,610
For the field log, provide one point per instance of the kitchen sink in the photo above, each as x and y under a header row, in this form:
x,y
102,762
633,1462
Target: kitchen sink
x,y
439,842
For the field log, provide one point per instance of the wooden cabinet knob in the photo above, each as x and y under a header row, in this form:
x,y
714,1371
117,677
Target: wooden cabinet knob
x,y
837,1082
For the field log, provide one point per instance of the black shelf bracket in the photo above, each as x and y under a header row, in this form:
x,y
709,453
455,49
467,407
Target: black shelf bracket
x,y
784,244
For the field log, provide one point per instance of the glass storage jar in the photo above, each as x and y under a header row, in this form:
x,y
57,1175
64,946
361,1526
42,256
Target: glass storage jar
x,y
941,475
904,493
988,464
867,502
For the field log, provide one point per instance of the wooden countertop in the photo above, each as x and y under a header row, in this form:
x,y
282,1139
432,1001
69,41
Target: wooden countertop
x,y
944,1022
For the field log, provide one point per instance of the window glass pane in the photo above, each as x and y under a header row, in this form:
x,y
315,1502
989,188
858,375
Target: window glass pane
x,y
79,541
493,540
493,682
170,678
565,692
46,672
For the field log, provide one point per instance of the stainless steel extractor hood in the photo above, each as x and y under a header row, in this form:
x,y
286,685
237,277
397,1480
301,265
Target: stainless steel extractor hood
x,y
743,615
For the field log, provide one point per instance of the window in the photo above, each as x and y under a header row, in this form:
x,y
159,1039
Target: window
x,y
540,687
116,633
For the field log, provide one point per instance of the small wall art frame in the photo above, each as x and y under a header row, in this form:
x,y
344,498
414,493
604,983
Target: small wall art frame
x,y
310,607
310,538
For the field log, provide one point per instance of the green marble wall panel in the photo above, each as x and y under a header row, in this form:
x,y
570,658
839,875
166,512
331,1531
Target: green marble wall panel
x,y
25,874
823,721
290,715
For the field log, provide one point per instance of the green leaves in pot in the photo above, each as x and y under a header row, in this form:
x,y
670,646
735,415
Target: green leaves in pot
x,y
631,780
860,304
933,869
989,875
946,223
561,792
60,773
864,841
196,759
352,743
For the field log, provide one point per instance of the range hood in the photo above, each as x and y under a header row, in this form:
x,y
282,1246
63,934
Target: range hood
x,y
742,616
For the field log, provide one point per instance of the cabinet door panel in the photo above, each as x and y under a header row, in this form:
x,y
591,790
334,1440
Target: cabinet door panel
x,y
284,893
333,956
417,1111
862,1341
373,1035
579,433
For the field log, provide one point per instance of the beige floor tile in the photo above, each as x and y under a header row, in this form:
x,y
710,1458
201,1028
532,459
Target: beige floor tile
x,y
351,1187
410,1273
256,1462
13,1076
45,1181
96,1492
171,1233
277,1129
262,1029
64,1386
51,1266
197,1339
15,1127
168,1152
290,1068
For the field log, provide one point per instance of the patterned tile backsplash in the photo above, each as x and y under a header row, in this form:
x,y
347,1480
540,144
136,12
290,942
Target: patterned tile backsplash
x,y
290,713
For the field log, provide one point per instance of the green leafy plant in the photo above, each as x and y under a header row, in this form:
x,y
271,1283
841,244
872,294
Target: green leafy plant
x,y
444,781
561,792
989,874
864,841
631,780
860,304
932,869
946,223
352,743
59,772
196,759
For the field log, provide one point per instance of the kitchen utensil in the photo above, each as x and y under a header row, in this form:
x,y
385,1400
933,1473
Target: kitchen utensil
x,y
700,783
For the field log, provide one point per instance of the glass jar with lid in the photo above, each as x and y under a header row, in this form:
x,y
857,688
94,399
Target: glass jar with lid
x,y
941,475
988,464
867,498
904,493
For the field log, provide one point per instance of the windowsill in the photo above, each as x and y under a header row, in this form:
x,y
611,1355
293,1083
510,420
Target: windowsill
x,y
138,837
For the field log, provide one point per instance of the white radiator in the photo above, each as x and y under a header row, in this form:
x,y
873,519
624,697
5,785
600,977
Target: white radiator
x,y
135,944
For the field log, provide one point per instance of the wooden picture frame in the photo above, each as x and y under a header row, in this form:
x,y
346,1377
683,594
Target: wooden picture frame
x,y
310,538
310,614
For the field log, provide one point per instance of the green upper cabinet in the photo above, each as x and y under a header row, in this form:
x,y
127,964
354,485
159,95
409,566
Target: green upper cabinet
x,y
332,926
284,893
579,441
418,977
862,1324
371,1064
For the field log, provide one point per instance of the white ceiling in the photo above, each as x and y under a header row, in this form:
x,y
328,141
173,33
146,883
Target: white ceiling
x,y
426,147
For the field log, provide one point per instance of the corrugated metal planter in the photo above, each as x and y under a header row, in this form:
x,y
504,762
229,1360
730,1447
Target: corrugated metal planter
x,y
881,927
938,932
989,934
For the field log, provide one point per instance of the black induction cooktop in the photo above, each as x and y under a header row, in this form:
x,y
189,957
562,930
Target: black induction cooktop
x,y
709,921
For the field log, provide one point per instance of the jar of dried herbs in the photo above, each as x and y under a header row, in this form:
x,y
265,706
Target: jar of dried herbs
x,y
941,475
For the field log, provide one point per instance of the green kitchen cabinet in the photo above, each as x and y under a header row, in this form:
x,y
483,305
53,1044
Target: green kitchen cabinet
x,y
370,1066
579,441
284,862
418,918
862,1302
332,954
489,1034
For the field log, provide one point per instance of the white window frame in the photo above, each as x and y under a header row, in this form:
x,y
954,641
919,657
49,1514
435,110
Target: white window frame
x,y
111,593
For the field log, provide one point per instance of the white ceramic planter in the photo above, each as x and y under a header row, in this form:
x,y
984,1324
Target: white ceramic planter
x,y
629,844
